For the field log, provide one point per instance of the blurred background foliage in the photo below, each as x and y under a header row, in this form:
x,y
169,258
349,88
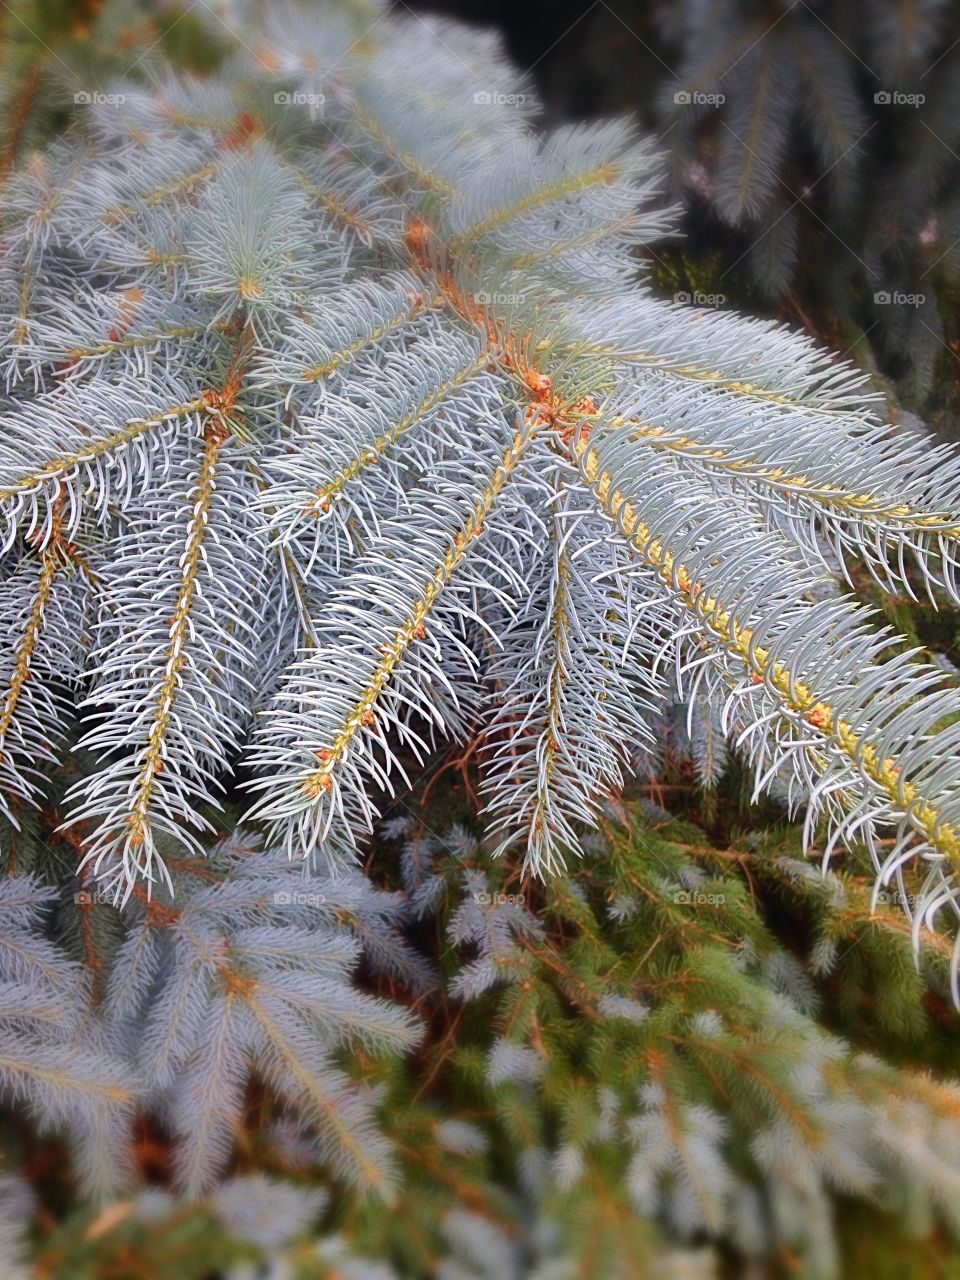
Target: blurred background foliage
x,y
821,188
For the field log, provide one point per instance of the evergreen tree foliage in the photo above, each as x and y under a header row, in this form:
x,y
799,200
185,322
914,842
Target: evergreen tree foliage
x,y
339,423
820,73
814,147
828,134
190,1000
671,1044
631,1071
328,432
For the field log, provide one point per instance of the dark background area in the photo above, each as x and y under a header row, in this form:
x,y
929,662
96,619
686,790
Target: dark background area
x,y
574,49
